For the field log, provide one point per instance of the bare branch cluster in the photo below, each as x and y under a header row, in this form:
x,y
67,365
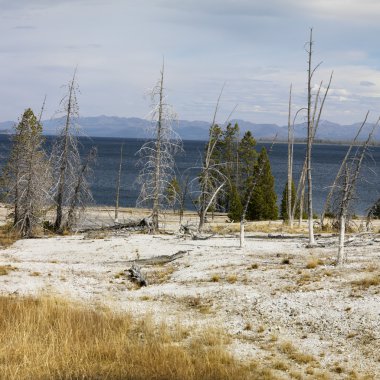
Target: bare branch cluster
x,y
157,154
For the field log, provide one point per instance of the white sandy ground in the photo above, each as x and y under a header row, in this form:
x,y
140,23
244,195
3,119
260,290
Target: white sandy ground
x,y
319,310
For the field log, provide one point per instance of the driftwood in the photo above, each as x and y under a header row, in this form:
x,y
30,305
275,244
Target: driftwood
x,y
136,275
202,237
145,223
160,260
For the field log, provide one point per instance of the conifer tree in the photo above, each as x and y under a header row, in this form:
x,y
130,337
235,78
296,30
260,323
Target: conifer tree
x,y
263,203
235,205
247,159
27,175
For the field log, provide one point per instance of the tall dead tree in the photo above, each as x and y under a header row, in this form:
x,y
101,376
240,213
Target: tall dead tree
x,y
157,155
290,161
118,185
27,175
65,157
313,117
211,180
344,191
341,170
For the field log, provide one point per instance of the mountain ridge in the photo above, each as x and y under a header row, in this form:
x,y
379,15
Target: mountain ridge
x,y
134,127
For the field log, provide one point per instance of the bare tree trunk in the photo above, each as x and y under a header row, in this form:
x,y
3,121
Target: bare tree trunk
x,y
302,198
156,204
290,163
342,228
205,179
118,186
64,162
242,234
309,145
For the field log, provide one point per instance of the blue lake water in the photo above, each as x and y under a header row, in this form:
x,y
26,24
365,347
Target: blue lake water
x,y
326,161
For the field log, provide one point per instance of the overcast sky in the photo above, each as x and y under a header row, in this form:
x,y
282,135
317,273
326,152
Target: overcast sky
x,y
255,46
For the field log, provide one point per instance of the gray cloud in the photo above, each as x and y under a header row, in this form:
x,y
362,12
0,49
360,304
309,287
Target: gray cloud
x,y
367,83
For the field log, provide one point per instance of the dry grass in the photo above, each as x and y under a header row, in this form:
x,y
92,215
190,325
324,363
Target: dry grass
x,y
368,281
203,305
5,269
215,278
293,353
313,263
50,339
160,274
231,279
8,235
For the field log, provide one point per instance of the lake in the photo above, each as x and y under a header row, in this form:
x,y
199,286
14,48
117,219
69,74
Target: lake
x,y
326,161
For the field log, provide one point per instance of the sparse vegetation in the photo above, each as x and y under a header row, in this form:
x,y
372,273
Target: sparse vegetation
x,y
5,269
50,338
231,279
313,262
368,281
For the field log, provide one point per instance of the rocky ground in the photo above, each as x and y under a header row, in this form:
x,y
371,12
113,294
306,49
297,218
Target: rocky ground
x,y
281,303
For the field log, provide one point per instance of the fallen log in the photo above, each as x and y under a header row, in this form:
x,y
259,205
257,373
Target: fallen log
x,y
145,223
160,260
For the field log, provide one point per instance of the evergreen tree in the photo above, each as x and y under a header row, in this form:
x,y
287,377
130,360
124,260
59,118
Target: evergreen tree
x,y
27,175
263,203
375,210
235,205
247,159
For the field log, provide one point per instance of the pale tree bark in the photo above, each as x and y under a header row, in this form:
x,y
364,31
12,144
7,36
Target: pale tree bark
x,y
290,161
312,125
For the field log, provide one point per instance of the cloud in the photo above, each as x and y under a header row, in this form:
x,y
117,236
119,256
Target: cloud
x,y
24,27
367,83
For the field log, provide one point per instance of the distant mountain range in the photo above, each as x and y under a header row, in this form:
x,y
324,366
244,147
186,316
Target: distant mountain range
x,y
133,127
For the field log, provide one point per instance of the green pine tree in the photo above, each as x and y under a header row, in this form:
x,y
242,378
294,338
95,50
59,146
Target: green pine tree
x,y
263,204
235,206
247,160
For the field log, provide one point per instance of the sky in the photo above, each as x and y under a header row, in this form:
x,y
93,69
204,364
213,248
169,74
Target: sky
x,y
255,48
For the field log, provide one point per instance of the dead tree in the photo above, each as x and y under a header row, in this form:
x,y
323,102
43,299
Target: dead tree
x,y
345,185
342,166
81,195
118,186
290,161
211,180
27,175
65,157
157,155
313,117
